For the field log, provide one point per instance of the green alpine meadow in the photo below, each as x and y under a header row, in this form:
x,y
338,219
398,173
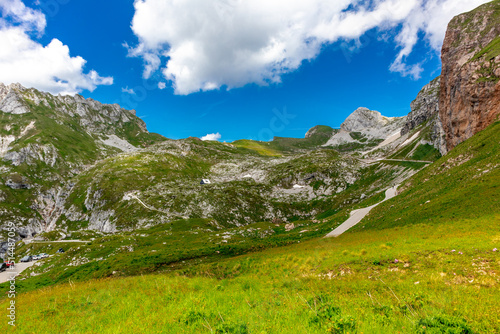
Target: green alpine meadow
x,y
378,224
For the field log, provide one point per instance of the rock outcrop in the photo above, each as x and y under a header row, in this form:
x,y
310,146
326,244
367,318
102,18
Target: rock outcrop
x,y
10,102
372,123
94,116
364,126
425,108
469,98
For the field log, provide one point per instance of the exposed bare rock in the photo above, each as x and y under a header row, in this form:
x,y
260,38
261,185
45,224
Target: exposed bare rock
x,y
10,101
51,205
33,227
33,153
102,221
424,107
370,124
5,143
470,89
121,144
16,181
438,136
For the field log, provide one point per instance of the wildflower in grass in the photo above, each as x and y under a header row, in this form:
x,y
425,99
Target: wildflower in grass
x,y
453,250
396,260
460,253
494,249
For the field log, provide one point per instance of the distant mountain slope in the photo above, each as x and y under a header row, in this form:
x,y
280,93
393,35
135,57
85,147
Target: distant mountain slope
x,y
365,129
162,183
45,140
463,184
72,164
313,139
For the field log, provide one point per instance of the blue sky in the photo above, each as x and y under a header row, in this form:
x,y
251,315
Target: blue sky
x,y
313,84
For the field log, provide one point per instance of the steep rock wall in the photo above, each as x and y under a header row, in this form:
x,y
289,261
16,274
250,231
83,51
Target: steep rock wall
x,y
469,98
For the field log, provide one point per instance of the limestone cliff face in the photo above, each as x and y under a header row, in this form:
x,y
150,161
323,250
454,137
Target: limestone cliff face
x,y
425,108
469,98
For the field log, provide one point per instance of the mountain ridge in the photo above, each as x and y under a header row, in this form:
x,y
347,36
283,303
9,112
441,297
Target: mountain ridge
x,y
46,204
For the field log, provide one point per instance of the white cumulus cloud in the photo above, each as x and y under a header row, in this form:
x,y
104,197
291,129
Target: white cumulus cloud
x,y
212,136
49,68
128,90
205,45
29,18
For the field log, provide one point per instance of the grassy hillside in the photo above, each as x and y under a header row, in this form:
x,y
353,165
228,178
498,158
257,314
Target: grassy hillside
x,y
410,280
317,136
178,243
162,183
397,271
464,184
51,144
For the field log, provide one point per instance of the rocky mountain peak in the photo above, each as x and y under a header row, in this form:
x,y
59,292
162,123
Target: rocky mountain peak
x,y
365,119
364,126
372,123
10,101
93,115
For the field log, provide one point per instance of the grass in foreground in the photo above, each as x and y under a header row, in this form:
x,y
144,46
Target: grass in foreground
x,y
409,279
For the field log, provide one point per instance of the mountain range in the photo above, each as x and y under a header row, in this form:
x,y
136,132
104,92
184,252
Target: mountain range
x,y
89,177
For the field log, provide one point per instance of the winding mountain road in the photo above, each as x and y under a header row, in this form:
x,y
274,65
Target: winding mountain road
x,y
56,241
357,215
368,161
9,274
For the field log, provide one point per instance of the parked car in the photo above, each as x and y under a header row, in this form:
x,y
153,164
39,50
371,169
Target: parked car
x,y
36,257
27,258
3,267
43,255
60,250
